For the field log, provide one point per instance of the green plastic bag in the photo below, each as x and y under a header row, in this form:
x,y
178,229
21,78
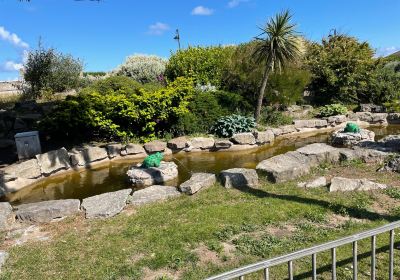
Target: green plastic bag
x,y
153,160
352,128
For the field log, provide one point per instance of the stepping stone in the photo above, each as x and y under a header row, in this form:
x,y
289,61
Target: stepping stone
x,y
153,194
239,177
196,182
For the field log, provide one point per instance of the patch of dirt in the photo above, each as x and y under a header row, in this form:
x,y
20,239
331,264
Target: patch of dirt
x,y
335,221
206,255
281,231
149,274
383,203
32,233
228,249
129,211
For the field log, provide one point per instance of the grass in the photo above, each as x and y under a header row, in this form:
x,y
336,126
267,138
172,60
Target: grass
x,y
193,237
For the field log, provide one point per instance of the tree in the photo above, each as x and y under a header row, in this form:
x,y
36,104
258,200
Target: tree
x,y
47,71
342,68
278,45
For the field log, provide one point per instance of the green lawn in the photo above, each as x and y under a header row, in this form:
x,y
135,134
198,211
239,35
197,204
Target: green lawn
x,y
215,230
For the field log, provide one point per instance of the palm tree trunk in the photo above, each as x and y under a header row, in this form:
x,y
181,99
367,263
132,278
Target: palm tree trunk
x,y
261,94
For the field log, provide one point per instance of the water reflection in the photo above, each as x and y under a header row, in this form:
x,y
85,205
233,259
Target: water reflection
x,y
111,176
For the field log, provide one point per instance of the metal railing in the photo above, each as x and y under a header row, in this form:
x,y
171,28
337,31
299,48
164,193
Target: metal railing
x,y
313,251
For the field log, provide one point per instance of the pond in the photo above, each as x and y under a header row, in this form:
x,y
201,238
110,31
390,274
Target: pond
x,y
112,175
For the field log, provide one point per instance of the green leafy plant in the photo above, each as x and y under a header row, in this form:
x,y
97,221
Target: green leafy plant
x,y
229,125
393,193
273,117
332,110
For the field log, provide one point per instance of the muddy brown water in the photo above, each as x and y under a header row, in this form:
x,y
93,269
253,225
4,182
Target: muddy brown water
x,y
112,175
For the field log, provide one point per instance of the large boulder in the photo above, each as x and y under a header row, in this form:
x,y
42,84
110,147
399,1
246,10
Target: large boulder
x,y
285,167
342,138
393,118
29,169
372,118
155,146
319,153
196,182
222,144
239,178
366,155
178,144
84,157
6,216
10,185
201,143
316,183
345,184
135,149
106,204
46,211
314,123
263,137
141,177
391,142
336,120
153,194
283,130
53,161
115,150
246,138
373,108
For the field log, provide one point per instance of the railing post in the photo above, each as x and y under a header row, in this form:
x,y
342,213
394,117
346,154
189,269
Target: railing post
x,y
314,266
241,277
290,270
373,257
333,253
391,254
355,263
266,273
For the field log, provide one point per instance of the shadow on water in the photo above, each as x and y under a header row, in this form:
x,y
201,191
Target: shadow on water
x,y
112,175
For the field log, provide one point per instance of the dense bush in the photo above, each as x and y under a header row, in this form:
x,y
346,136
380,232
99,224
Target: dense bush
x,y
342,68
385,84
142,68
332,110
115,108
271,116
47,72
204,64
229,125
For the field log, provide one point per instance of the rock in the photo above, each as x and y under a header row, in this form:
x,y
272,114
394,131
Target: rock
x,y
366,155
318,153
14,185
222,144
115,150
345,184
6,216
392,165
372,118
197,182
28,169
263,137
87,155
393,118
316,183
20,125
53,161
391,142
155,146
246,138
140,177
336,120
46,211
239,177
348,139
177,143
153,194
202,143
135,149
106,204
286,129
310,123
3,258
285,167
372,108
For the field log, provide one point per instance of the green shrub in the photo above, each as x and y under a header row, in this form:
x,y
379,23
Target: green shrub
x,y
393,107
204,64
332,110
273,117
142,68
115,109
229,125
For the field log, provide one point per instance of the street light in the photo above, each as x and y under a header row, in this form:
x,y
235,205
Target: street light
x,y
178,38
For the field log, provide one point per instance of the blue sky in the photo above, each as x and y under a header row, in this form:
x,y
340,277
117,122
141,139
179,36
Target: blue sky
x,y
103,34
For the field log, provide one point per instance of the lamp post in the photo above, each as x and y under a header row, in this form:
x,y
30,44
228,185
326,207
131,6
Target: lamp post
x,y
178,38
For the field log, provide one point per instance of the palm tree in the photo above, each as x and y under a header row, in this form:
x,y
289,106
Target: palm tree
x,y
278,44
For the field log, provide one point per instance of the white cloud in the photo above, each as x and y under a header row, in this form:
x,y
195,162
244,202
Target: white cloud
x,y
235,3
387,51
158,28
10,66
12,38
202,11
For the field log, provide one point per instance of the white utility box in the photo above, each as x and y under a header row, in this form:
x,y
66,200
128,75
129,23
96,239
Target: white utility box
x,y
28,144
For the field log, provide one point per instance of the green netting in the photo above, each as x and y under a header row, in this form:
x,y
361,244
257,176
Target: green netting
x,y
153,160
352,128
